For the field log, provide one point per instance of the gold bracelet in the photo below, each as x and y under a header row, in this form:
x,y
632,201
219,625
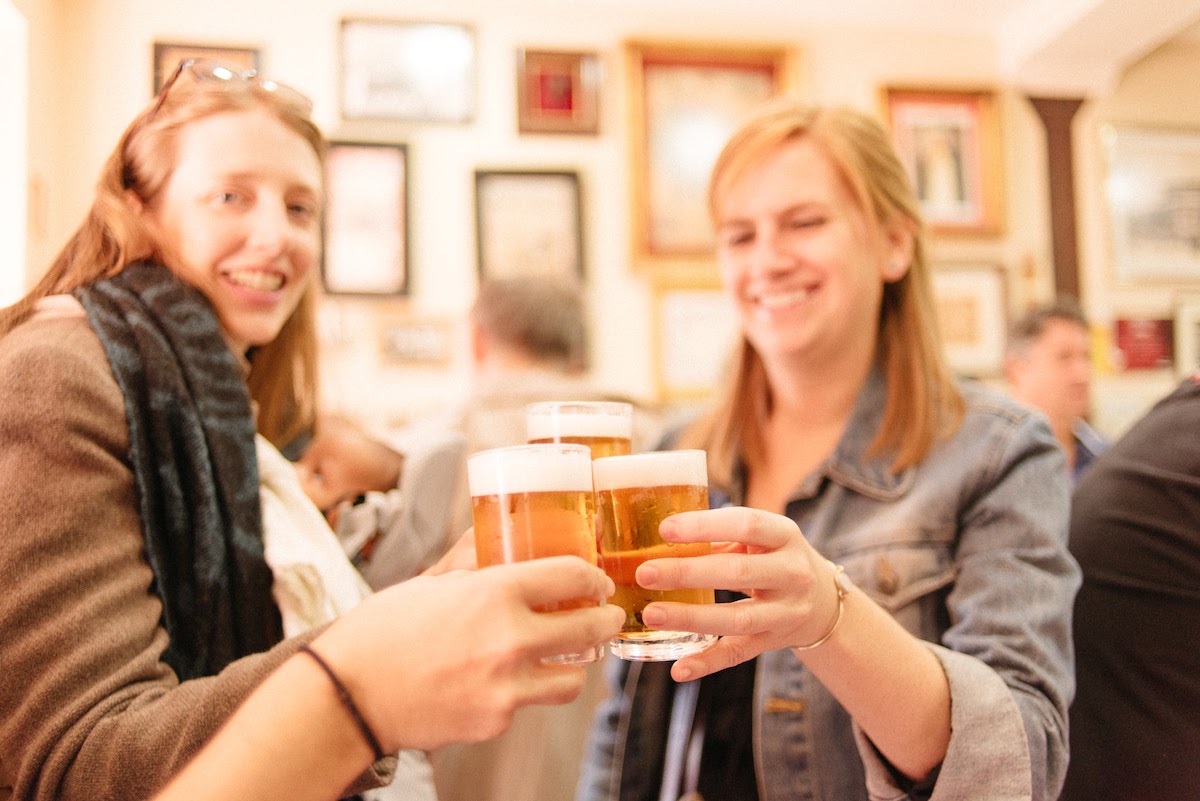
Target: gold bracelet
x,y
838,573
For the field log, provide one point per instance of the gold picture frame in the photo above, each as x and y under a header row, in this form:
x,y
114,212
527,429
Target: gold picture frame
x,y
695,327
972,311
685,99
949,142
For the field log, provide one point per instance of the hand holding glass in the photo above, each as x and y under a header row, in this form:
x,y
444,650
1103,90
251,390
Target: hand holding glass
x,y
531,501
633,496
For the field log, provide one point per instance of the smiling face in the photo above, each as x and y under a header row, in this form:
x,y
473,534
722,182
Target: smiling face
x,y
239,219
803,262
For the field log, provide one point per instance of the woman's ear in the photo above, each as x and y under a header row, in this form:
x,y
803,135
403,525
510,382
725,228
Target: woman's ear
x,y
901,245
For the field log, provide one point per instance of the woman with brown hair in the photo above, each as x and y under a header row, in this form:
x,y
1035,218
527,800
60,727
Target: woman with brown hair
x,y
158,548
898,583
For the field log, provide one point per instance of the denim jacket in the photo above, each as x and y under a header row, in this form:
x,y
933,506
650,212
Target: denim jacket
x,y
967,550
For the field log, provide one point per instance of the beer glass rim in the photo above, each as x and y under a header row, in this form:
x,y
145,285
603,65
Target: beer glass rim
x,y
484,467
621,408
650,456
607,471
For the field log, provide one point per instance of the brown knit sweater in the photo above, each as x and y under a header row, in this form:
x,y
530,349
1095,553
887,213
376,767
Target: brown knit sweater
x,y
87,709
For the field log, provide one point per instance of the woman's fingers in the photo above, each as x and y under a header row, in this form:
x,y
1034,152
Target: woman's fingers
x,y
750,527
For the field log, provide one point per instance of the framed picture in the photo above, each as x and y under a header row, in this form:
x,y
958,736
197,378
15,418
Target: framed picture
x,y
529,222
695,329
366,219
558,92
1144,343
685,100
167,56
416,342
1187,336
414,71
949,141
1153,193
972,310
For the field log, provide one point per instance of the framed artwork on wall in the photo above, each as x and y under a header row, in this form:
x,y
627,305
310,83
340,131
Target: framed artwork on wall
x,y
949,141
972,310
167,56
366,219
558,92
529,222
415,342
684,102
412,71
1153,194
1144,343
695,328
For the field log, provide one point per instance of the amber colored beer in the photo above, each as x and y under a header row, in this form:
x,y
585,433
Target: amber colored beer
x,y
634,494
604,427
532,501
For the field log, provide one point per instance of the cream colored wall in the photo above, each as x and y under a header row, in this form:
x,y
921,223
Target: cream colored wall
x,y
14,88
91,73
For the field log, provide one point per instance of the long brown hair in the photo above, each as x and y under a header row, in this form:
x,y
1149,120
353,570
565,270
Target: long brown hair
x,y
923,401
283,373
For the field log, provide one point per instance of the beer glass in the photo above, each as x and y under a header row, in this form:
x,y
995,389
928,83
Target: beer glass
x,y
530,501
633,495
604,426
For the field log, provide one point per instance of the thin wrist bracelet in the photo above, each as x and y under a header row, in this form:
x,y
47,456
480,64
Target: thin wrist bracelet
x,y
344,696
838,574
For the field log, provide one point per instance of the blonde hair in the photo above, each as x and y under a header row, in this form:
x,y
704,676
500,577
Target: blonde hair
x,y
923,402
283,373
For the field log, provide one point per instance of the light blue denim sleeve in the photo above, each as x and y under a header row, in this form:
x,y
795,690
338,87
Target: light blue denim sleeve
x,y
1007,650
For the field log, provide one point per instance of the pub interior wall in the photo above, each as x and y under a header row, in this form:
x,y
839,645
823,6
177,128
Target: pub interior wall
x,y
90,71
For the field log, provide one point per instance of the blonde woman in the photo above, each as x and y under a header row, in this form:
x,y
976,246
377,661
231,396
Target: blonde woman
x,y
899,624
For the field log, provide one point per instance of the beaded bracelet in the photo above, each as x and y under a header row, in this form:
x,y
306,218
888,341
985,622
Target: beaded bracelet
x,y
838,579
348,702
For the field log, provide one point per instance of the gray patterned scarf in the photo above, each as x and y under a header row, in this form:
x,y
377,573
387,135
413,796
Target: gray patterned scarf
x,y
191,446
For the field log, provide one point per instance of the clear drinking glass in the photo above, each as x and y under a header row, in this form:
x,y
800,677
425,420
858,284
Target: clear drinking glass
x,y
604,426
633,496
532,501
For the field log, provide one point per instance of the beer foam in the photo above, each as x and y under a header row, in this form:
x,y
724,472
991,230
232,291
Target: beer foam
x,y
578,424
530,468
657,469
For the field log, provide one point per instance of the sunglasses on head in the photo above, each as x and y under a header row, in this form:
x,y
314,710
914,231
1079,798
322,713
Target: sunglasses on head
x,y
211,71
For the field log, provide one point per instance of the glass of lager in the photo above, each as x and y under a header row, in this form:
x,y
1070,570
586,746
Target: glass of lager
x,y
605,427
530,501
633,495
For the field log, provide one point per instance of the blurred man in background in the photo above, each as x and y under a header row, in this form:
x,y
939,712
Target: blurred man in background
x,y
1048,366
